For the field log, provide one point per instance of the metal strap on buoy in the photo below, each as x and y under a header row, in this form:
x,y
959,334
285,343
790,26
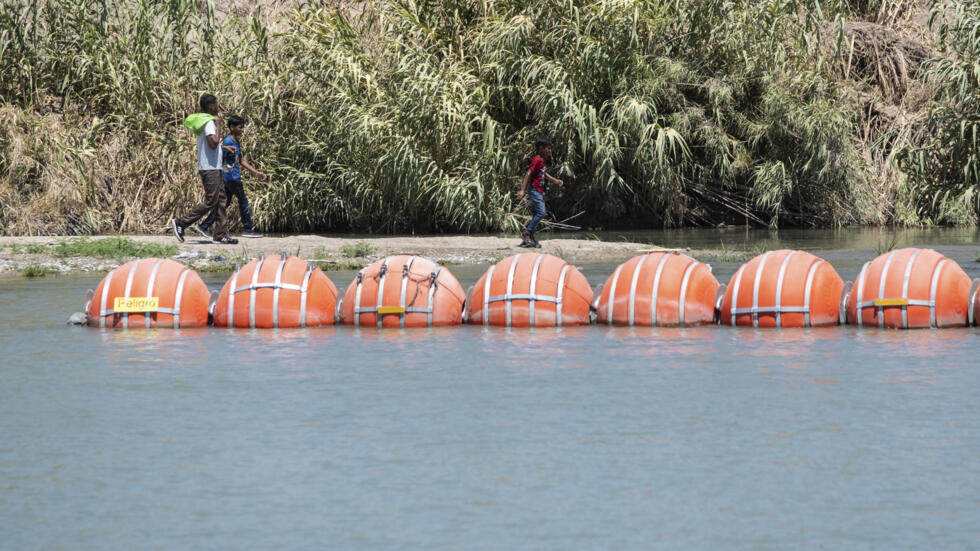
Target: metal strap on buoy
x,y
150,284
381,291
105,312
778,308
632,305
486,295
655,292
531,296
402,309
970,314
612,292
903,302
277,285
687,277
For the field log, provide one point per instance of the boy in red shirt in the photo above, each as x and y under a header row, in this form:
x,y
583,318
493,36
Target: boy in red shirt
x,y
533,186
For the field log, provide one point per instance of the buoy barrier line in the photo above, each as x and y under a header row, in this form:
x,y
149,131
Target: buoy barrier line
x,y
793,282
105,312
404,307
142,277
531,297
917,265
660,288
530,290
277,285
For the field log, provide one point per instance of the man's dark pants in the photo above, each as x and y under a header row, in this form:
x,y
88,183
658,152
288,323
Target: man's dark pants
x,y
214,199
233,188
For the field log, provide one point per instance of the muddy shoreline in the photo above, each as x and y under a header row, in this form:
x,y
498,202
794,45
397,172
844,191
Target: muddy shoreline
x,y
20,253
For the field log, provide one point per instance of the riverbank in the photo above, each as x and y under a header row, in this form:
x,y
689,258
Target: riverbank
x,y
52,254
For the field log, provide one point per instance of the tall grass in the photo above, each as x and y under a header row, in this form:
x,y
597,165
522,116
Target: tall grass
x,y
417,115
944,165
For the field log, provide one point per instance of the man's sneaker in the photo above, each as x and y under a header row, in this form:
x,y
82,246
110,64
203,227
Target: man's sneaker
x,y
178,230
251,234
227,241
202,230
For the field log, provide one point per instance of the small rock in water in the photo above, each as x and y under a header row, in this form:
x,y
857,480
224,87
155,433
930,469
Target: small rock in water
x,y
186,254
78,318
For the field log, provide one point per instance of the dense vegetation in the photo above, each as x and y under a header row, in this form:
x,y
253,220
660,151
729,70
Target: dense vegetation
x,y
418,115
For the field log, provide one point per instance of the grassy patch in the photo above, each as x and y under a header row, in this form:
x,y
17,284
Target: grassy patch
x,y
357,250
886,246
330,266
215,268
729,253
30,248
35,270
447,263
112,247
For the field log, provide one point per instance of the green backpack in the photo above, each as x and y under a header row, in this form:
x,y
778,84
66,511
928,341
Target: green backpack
x,y
195,122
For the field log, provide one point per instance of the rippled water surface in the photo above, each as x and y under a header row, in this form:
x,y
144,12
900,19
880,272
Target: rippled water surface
x,y
474,438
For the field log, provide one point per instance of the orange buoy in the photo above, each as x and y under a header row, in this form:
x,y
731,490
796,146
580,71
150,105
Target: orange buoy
x,y
276,291
403,291
531,290
783,289
662,288
151,292
909,288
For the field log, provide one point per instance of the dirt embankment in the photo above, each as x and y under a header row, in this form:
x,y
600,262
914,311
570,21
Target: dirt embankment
x,y
20,253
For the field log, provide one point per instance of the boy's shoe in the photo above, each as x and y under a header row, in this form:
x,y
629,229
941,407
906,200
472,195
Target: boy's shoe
x,y
202,230
178,229
526,239
226,241
534,241
252,234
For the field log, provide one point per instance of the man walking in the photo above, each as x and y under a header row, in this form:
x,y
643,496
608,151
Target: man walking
x,y
205,125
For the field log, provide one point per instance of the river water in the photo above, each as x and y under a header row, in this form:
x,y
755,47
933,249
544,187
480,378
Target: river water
x,y
489,438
